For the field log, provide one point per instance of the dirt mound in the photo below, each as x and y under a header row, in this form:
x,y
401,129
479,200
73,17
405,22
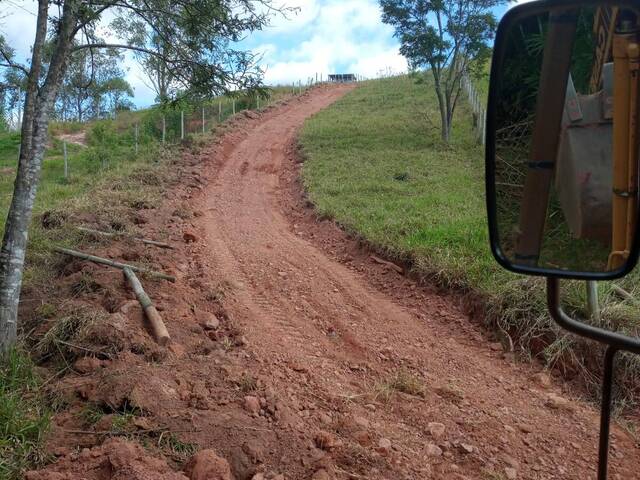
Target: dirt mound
x,y
115,459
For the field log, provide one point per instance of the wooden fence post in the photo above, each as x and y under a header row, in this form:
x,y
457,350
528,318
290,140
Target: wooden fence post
x,y
234,106
164,129
182,125
203,120
219,111
66,160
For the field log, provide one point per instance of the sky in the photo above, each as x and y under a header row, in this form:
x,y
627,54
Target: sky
x,y
326,36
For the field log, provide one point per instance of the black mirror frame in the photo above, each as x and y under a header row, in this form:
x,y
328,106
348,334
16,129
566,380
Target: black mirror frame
x,y
512,16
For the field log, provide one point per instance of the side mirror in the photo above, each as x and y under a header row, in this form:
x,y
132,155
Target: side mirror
x,y
562,139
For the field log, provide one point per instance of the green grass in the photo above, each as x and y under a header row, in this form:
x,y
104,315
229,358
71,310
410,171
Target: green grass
x,y
375,163
24,418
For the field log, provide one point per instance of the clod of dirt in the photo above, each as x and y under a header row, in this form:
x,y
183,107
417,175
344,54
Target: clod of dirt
x,y
321,474
116,459
241,464
252,404
363,438
189,237
88,364
207,465
326,441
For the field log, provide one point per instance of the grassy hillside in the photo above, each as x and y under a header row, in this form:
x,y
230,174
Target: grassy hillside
x,y
376,164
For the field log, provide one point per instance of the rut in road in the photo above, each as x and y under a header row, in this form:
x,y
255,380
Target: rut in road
x,y
325,333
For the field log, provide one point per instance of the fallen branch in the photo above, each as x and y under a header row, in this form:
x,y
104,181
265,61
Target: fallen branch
x,y
158,327
624,294
120,234
395,267
105,261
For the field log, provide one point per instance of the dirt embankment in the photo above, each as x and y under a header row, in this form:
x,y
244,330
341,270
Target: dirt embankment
x,y
295,354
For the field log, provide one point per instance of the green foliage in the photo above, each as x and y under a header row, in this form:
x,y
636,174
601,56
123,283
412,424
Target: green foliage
x,y
446,38
24,418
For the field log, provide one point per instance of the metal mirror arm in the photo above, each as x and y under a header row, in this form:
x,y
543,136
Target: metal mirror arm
x,y
614,341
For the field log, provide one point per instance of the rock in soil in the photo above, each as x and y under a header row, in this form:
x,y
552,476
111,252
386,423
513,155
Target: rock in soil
x,y
326,441
208,320
436,429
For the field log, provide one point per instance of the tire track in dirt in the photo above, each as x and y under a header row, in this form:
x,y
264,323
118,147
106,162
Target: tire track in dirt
x,y
326,333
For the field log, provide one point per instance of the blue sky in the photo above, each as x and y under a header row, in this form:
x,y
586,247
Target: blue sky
x,y
325,36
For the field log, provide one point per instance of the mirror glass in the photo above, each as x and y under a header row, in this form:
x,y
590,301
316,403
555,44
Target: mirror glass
x,y
566,138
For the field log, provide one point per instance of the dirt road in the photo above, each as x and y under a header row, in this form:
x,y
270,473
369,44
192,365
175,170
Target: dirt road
x,y
305,311
328,364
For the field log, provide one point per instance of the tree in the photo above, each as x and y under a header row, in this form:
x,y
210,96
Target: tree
x,y
202,61
446,37
91,79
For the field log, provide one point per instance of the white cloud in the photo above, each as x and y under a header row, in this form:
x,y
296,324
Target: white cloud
x,y
345,36
326,36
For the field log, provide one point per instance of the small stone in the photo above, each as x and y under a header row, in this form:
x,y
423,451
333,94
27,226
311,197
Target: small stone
x,y
524,428
466,448
252,404
542,379
208,321
258,476
324,418
189,236
558,403
436,429
384,446
495,346
433,450
512,462
510,473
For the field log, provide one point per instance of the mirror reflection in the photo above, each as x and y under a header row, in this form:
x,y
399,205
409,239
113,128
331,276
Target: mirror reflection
x,y
566,139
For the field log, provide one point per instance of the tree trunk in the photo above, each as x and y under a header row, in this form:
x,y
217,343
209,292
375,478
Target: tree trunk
x,y
444,117
38,103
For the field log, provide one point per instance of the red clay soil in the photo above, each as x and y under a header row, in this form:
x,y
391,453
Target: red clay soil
x,y
326,364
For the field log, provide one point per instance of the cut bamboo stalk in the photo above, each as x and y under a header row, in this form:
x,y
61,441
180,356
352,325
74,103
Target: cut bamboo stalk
x,y
392,265
120,234
624,294
105,261
158,328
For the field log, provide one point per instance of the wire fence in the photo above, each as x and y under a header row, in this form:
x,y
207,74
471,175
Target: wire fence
x,y
130,133
478,108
